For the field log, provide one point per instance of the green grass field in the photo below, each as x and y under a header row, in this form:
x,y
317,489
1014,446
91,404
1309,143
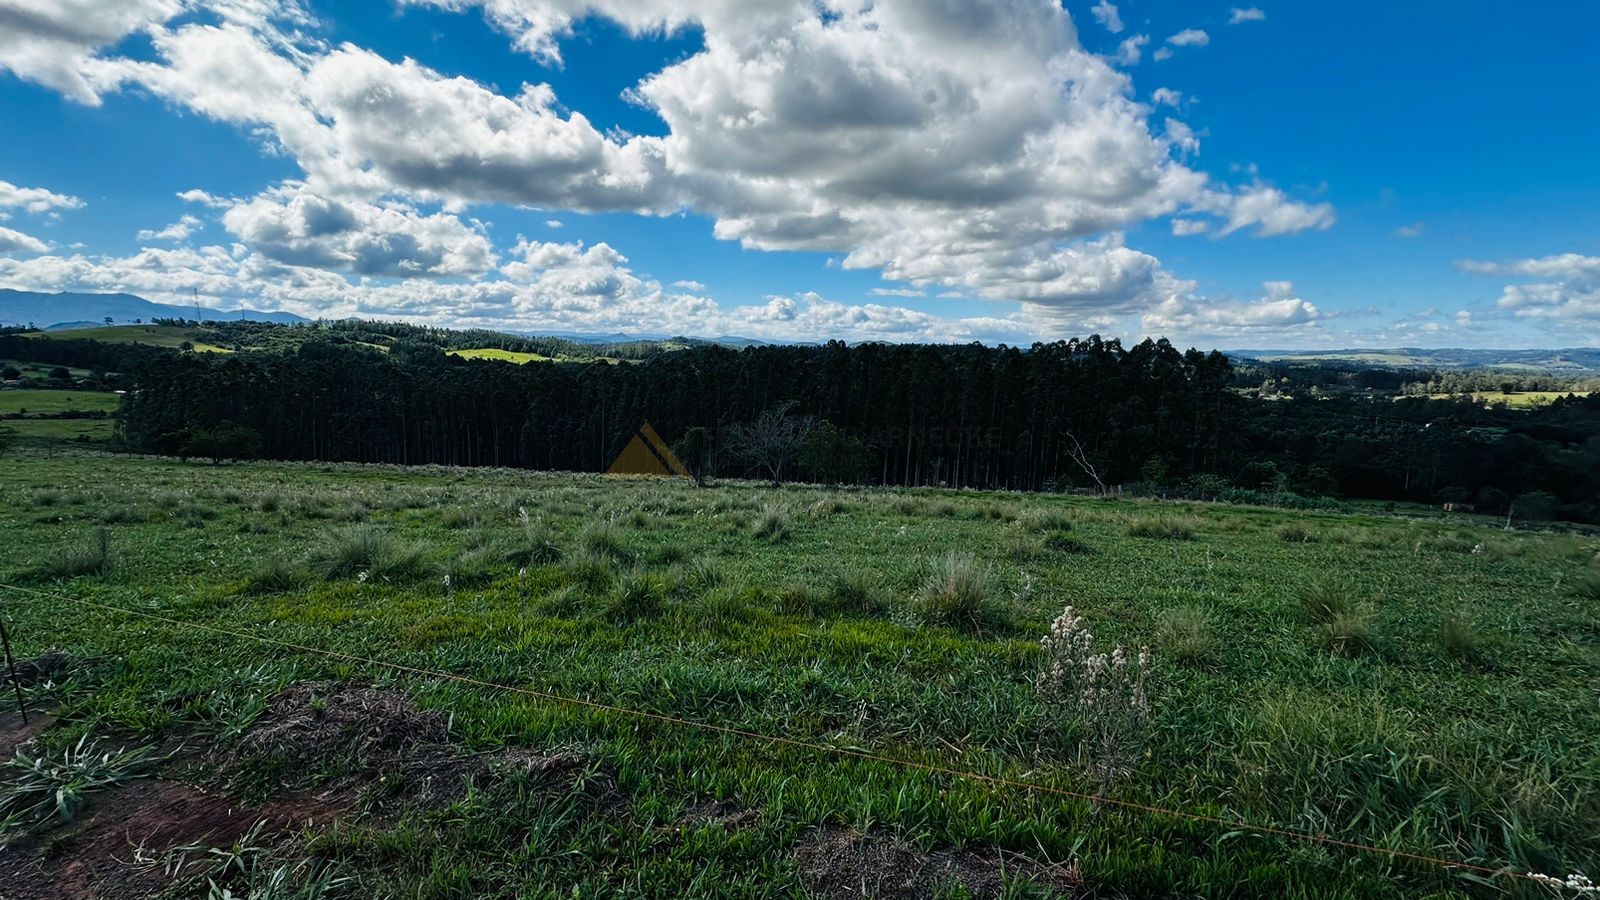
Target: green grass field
x,y
1418,686
1517,399
513,356
154,335
34,403
50,431
510,356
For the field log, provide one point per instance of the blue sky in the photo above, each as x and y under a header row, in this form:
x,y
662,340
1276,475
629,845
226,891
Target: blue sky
x,y
1273,175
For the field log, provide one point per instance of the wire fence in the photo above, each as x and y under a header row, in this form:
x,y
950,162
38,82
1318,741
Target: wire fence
x,y
1234,825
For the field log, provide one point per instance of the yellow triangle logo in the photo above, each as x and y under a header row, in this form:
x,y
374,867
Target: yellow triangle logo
x,y
647,454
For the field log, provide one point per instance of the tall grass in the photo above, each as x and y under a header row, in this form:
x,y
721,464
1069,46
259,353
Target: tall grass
x,y
958,593
772,525
366,551
92,557
1185,634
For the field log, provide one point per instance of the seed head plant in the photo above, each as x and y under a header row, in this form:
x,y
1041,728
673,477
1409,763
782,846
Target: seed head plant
x,y
1103,693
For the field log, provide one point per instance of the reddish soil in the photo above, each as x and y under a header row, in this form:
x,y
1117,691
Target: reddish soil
x,y
118,848
13,733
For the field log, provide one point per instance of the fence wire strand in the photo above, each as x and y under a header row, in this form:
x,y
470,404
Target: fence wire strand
x,y
1308,837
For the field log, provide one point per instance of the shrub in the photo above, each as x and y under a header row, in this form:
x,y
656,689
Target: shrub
x,y
93,557
1186,635
1103,692
772,525
1161,529
956,593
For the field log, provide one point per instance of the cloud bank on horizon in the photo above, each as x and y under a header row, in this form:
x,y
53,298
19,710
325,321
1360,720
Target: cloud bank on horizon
x,y
976,158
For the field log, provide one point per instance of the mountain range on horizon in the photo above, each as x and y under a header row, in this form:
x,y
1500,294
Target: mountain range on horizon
x,y
54,311
65,310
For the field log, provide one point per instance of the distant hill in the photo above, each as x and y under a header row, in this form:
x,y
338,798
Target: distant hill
x,y
1568,361
69,310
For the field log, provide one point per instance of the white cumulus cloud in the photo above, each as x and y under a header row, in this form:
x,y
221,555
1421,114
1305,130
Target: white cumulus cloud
x,y
35,200
1563,289
12,241
1106,14
177,231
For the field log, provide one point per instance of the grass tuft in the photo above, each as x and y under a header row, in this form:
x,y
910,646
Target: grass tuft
x,y
1064,542
772,525
92,557
1161,530
276,576
1296,534
1185,635
1322,603
957,593
367,551
637,595
1351,633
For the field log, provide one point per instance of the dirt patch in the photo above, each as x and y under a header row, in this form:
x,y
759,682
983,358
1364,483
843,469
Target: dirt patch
x,y
726,813
118,847
436,776
332,724
47,666
376,749
837,864
13,733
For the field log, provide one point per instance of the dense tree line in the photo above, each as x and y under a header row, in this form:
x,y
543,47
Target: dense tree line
x,y
1068,414
957,415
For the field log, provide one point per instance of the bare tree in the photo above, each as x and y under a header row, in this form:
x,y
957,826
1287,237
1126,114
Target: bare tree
x,y
1078,456
772,440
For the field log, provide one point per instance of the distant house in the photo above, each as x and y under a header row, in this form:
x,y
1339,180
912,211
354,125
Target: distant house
x,y
1460,507
647,454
